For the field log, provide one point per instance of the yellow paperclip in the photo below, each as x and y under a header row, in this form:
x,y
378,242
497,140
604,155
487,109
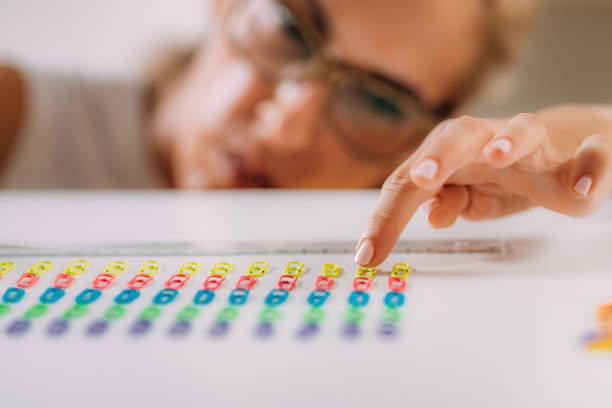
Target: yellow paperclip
x,y
189,268
40,267
77,267
221,268
149,268
294,268
401,270
258,268
6,266
364,272
331,270
115,268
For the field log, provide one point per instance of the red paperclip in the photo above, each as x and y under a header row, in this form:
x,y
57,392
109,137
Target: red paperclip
x,y
324,283
177,281
139,281
287,282
213,282
362,284
103,280
246,282
63,281
27,280
396,284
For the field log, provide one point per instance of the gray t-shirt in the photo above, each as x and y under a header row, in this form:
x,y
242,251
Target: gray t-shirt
x,y
81,132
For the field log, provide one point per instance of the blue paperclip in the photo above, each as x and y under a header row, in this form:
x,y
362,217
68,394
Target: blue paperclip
x,y
165,296
127,296
140,327
58,327
97,328
18,327
88,296
394,299
276,297
317,298
358,299
180,328
52,295
13,295
238,297
203,297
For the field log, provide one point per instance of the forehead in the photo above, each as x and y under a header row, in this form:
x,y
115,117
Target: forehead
x,y
427,44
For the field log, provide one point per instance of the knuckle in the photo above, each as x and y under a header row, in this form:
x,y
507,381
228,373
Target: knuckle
x,y
469,123
398,182
379,219
531,125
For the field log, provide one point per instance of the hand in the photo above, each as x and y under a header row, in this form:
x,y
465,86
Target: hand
x,y
560,159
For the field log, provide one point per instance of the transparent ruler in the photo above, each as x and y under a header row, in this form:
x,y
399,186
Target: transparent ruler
x,y
468,246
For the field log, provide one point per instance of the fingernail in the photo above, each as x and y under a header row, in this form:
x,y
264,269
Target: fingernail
x,y
583,185
195,180
503,145
364,253
427,169
430,204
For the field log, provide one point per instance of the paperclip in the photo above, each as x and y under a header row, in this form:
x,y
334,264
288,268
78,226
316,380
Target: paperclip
x,y
180,328
353,315
276,297
401,270
35,311
58,327
149,268
264,329
258,268
150,313
139,281
165,296
388,329
238,297
396,284
13,295
294,268
77,267
287,282
27,280
314,315
220,328
331,270
187,314
269,315
390,315
140,327
114,312
6,267
203,297
88,296
221,268
358,299
362,284
116,268
127,296
245,282
97,328
177,281
52,295
40,267
317,298
18,327
308,330
213,282
75,311
63,281
394,299
227,314
189,268
103,280
324,283
365,272
4,309
351,330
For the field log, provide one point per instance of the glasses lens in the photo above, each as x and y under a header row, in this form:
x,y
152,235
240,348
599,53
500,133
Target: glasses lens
x,y
268,33
372,122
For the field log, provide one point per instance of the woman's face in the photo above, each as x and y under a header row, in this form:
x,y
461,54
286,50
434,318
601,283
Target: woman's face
x,y
223,124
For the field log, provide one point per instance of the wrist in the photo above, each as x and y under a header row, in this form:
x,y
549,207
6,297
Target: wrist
x,y
12,109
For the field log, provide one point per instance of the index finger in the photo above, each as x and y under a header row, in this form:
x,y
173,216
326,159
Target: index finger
x,y
398,201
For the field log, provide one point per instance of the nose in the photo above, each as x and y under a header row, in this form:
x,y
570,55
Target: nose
x,y
286,122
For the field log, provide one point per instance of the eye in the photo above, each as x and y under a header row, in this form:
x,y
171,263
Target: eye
x,y
381,105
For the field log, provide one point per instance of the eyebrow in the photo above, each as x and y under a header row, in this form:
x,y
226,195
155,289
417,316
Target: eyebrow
x,y
321,24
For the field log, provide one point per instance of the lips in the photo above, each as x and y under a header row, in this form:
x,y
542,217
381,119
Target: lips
x,y
247,176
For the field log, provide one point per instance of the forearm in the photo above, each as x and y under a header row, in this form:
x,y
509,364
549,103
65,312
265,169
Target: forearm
x,y
12,109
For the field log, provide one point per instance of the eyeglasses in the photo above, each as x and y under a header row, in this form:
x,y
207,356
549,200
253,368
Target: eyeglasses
x,y
372,117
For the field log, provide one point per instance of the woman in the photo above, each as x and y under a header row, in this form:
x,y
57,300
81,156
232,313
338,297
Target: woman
x,y
335,93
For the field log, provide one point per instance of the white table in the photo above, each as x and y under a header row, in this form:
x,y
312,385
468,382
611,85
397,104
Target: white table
x,y
476,331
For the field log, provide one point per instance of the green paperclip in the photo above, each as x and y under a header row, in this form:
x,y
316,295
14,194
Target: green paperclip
x,y
391,315
150,313
35,311
4,309
227,314
74,312
187,314
114,312
314,315
269,315
353,315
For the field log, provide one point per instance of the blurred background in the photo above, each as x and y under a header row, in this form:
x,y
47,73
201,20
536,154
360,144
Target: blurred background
x,y
567,59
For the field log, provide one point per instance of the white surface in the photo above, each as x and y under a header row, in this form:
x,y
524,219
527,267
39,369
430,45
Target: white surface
x,y
476,331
